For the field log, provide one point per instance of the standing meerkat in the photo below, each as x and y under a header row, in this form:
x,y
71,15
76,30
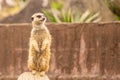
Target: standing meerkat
x,y
39,45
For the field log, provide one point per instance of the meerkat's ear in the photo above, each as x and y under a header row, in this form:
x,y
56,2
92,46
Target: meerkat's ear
x,y
32,18
44,19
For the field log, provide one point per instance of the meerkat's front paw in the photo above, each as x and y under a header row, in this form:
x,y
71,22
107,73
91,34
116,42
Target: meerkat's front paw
x,y
44,43
42,48
35,44
37,49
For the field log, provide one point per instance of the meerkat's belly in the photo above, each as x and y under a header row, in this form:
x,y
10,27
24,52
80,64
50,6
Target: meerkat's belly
x,y
42,61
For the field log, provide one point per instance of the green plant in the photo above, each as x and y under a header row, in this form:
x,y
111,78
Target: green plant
x,y
114,6
58,14
8,9
117,18
87,17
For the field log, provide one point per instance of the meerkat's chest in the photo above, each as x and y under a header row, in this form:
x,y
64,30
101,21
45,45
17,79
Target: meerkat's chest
x,y
39,34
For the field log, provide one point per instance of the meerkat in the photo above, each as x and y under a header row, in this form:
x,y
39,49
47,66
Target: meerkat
x,y
39,45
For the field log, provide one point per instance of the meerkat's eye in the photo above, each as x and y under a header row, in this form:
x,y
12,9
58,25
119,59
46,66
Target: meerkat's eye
x,y
39,16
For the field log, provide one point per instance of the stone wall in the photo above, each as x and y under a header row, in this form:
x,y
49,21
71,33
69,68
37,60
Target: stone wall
x,y
87,51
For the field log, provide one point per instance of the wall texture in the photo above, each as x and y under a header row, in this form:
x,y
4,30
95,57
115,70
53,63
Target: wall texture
x,y
88,51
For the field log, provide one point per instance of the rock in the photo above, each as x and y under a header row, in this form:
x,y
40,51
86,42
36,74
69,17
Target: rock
x,y
30,76
24,15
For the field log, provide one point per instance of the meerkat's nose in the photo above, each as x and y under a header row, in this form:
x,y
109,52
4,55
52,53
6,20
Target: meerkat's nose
x,y
32,18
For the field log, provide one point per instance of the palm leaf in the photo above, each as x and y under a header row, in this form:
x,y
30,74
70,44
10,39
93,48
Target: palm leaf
x,y
49,16
93,17
84,16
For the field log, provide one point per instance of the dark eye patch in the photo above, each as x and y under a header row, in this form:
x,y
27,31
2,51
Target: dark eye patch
x,y
39,16
32,18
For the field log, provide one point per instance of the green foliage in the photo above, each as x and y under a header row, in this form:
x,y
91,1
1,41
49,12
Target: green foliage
x,y
66,16
117,18
56,6
88,17
114,7
50,16
8,9
106,1
24,0
58,14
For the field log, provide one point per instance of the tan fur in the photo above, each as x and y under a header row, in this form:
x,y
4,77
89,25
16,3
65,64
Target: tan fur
x,y
39,46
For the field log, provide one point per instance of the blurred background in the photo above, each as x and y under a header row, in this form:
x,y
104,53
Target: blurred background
x,y
90,50
17,11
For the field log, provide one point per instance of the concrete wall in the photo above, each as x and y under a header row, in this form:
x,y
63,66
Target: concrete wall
x,y
88,51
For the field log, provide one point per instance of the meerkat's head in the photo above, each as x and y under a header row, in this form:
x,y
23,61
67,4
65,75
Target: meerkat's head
x,y
38,19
